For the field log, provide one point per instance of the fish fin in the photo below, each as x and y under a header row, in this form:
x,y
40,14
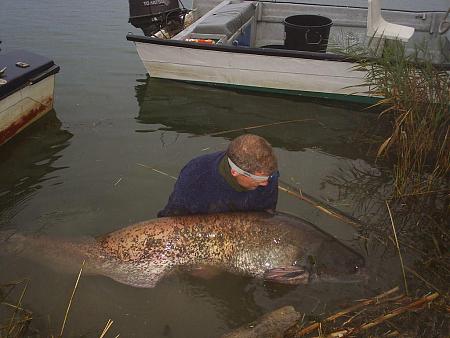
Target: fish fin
x,y
136,275
292,275
203,271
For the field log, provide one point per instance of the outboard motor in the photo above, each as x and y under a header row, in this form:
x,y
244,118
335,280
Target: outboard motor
x,y
154,15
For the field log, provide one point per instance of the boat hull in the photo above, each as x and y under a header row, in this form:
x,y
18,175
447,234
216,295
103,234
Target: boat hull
x,y
277,73
26,90
25,106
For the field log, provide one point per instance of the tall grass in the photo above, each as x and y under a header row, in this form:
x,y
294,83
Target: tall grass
x,y
414,120
415,101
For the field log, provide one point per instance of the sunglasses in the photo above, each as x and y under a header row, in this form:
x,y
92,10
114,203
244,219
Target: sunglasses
x,y
252,176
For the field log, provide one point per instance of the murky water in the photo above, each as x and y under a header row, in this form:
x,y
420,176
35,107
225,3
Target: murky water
x,y
79,172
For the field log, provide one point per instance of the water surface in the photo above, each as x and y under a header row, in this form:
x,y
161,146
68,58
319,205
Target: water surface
x,y
79,172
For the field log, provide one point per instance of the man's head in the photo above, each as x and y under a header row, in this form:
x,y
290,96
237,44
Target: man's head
x,y
252,161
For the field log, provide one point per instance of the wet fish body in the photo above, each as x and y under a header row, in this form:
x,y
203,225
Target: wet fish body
x,y
279,248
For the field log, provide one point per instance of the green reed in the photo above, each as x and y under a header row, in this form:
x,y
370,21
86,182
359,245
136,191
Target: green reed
x,y
415,103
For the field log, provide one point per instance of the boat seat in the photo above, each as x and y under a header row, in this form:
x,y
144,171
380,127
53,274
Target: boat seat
x,y
227,20
379,28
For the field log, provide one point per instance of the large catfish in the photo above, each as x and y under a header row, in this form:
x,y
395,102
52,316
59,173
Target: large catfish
x,y
278,248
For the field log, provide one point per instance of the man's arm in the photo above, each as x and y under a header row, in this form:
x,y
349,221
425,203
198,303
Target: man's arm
x,y
272,198
183,200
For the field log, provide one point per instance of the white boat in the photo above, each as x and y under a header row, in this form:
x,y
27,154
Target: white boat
x,y
26,90
245,43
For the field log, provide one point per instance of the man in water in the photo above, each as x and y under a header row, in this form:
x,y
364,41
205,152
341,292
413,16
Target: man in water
x,y
242,178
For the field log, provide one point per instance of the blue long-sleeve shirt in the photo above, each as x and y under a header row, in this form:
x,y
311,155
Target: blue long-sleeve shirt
x,y
201,189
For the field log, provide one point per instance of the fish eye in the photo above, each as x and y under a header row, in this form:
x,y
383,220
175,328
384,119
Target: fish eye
x,y
311,260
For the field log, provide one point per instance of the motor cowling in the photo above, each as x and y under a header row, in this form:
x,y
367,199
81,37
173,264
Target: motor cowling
x,y
154,15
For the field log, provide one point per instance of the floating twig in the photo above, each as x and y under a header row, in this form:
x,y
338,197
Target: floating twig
x,y
14,306
70,301
411,271
259,126
156,170
341,313
396,312
398,248
16,309
327,209
343,332
108,325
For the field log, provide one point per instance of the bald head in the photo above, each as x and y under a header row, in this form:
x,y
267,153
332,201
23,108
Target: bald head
x,y
252,153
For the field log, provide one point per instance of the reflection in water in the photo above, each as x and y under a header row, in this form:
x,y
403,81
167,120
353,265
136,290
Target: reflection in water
x,y
28,159
369,190
201,110
183,305
365,187
228,292
237,298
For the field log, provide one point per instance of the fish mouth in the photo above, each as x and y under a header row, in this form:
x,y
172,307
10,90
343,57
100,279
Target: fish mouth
x,y
291,275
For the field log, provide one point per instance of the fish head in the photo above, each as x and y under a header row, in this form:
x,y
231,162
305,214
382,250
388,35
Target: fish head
x,y
334,261
300,253
285,266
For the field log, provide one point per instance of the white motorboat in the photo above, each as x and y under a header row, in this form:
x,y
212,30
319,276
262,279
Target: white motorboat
x,y
26,90
284,46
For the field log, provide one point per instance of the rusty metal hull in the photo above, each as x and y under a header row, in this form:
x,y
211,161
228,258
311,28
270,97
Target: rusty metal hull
x,y
25,106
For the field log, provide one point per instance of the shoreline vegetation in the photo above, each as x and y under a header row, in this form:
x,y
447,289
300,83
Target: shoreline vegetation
x,y
415,103
19,319
415,149
411,143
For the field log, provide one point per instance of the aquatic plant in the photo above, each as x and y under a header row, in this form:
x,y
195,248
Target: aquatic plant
x,y
414,99
412,151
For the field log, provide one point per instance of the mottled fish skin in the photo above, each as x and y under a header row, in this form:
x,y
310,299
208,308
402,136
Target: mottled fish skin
x,y
253,244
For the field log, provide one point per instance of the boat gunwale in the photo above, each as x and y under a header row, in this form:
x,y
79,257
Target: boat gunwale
x,y
256,50
292,2
241,49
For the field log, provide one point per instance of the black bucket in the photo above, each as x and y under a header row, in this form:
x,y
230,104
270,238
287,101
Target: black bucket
x,y
307,32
